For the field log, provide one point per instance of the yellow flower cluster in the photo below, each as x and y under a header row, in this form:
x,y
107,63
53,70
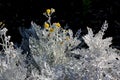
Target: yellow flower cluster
x,y
54,26
47,24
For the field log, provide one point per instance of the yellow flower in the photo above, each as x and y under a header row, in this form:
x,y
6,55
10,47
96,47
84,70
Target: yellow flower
x,y
46,25
48,11
51,30
57,25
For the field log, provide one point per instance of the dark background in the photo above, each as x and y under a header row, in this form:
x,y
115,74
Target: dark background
x,y
75,13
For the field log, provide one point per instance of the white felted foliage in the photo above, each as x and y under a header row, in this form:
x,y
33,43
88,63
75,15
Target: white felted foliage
x,y
96,41
55,54
11,61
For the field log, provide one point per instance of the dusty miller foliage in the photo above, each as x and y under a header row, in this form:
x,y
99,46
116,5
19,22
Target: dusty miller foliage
x,y
48,53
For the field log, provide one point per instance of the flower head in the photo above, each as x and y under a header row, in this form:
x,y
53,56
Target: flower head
x,y
48,11
51,29
57,25
46,25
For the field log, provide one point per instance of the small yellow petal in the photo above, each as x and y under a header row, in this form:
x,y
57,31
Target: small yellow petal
x,y
51,30
48,11
46,25
57,25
